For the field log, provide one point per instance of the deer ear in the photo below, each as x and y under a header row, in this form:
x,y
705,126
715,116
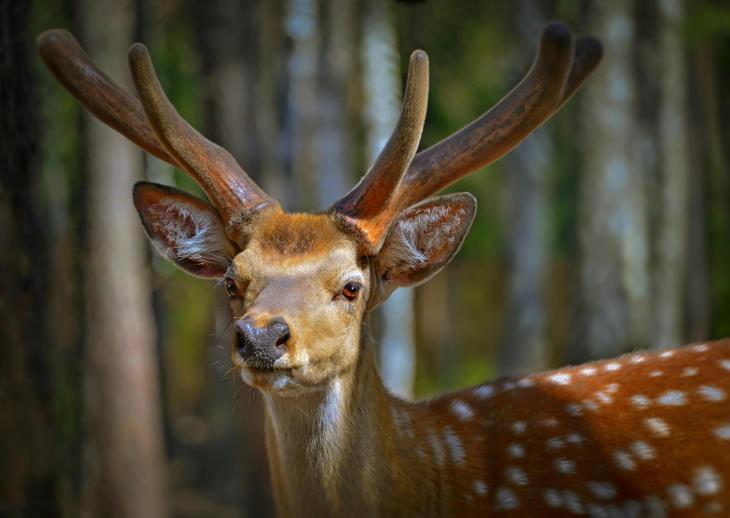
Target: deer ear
x,y
423,240
184,229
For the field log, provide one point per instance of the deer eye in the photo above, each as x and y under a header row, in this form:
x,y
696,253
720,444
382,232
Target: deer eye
x,y
351,289
231,287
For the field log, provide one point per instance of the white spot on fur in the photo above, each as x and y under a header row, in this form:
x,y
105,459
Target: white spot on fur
x,y
456,447
525,382
516,451
639,358
604,398
624,460
574,438
565,466
437,448
561,378
602,490
666,354
509,385
613,366
590,405
516,475
643,450
574,409
572,502
706,481
506,499
657,426
480,488
640,401
588,371
722,432
672,398
710,393
403,421
612,388
725,364
655,374
700,348
462,410
680,496
555,443
553,498
519,427
688,372
484,392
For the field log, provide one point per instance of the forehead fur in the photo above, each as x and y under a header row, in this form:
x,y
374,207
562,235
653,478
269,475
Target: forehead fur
x,y
298,234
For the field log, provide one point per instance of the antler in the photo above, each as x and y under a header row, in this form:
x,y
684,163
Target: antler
x,y
217,172
365,205
559,69
152,124
557,72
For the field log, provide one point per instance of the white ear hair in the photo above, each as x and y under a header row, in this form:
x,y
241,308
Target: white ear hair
x,y
410,239
196,236
423,240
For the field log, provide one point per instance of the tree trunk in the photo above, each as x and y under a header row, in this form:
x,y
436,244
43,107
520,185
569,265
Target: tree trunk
x,y
613,285
383,90
673,196
125,466
527,171
28,460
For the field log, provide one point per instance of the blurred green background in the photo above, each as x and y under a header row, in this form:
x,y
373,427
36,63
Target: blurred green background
x,y
605,231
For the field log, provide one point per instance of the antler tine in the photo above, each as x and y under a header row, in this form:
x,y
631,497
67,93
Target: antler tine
x,y
65,58
365,205
558,70
227,185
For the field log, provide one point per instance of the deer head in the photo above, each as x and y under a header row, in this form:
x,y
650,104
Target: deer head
x,y
301,284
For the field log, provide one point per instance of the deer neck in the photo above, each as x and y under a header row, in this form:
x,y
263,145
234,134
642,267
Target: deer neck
x,y
327,450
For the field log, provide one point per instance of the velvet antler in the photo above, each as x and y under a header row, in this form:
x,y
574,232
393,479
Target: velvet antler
x,y
153,123
561,66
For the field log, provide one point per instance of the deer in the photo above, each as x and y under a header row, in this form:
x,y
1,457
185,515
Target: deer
x,y
644,434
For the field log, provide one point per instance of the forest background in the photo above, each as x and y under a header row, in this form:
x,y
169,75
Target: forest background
x,y
605,231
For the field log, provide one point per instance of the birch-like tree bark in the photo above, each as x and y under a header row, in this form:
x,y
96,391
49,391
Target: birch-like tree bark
x,y
673,197
613,310
124,460
383,90
527,171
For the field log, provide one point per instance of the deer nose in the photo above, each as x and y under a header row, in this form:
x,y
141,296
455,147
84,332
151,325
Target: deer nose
x,y
261,346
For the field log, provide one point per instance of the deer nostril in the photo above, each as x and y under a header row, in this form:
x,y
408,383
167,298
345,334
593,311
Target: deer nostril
x,y
280,331
240,343
283,338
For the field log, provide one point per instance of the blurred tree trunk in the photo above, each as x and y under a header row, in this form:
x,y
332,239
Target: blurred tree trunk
x,y
302,26
527,170
673,196
383,90
30,482
229,43
613,307
124,461
708,186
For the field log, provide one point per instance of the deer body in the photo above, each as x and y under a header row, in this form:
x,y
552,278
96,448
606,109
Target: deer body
x,y
610,438
643,435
